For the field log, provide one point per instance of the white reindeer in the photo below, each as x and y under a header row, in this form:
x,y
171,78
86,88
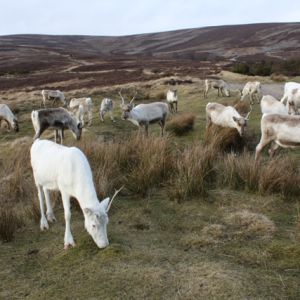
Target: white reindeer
x,y
253,89
53,95
270,105
280,130
145,114
218,84
67,170
292,97
81,106
106,105
7,116
172,99
225,116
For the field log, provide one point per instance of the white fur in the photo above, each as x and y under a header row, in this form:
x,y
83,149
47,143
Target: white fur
x,y
145,114
218,84
252,89
7,115
66,169
225,116
281,130
292,97
81,106
270,105
55,94
106,105
172,99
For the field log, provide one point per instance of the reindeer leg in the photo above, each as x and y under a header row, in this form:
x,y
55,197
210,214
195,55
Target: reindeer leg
x,y
69,241
43,223
49,213
273,148
146,129
176,103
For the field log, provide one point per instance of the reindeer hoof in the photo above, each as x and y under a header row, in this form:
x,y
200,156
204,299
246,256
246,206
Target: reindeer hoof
x,y
67,246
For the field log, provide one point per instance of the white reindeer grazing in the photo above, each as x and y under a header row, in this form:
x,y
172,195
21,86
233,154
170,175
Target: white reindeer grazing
x,y
172,99
53,95
66,169
7,116
145,114
218,84
81,106
106,105
252,89
225,116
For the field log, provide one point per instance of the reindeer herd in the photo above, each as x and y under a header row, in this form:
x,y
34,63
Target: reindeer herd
x,y
57,167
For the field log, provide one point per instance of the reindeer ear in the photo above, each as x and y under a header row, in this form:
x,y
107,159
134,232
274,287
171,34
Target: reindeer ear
x,y
104,203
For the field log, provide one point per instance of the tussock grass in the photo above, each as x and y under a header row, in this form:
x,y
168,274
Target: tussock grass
x,y
224,139
138,162
280,175
239,172
193,173
181,124
10,221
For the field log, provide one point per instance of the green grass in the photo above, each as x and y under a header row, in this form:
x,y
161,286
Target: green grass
x,y
159,248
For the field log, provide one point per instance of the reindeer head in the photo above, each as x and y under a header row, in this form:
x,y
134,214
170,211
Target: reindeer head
x,y
15,125
293,110
126,108
95,221
241,122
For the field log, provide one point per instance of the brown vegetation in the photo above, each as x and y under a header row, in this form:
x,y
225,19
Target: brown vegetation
x,y
181,124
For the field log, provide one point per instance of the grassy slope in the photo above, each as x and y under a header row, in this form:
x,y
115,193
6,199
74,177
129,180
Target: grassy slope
x,y
157,247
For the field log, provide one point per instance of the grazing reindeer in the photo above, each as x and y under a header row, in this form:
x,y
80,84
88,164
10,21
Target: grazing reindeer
x,y
58,119
225,116
280,130
67,170
7,116
218,84
53,95
106,105
81,106
253,89
145,114
172,99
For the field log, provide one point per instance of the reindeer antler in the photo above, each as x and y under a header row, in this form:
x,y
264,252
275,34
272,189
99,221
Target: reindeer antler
x,y
120,93
133,97
113,197
248,114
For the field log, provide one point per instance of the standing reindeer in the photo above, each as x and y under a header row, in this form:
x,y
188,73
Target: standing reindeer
x,y
145,114
172,100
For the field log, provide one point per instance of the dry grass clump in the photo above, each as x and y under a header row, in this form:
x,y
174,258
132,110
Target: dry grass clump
x,y
239,172
151,163
193,172
224,139
10,221
16,183
181,124
138,162
280,175
246,224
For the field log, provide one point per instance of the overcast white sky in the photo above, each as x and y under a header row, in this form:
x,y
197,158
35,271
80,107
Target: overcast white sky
x,y
117,17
